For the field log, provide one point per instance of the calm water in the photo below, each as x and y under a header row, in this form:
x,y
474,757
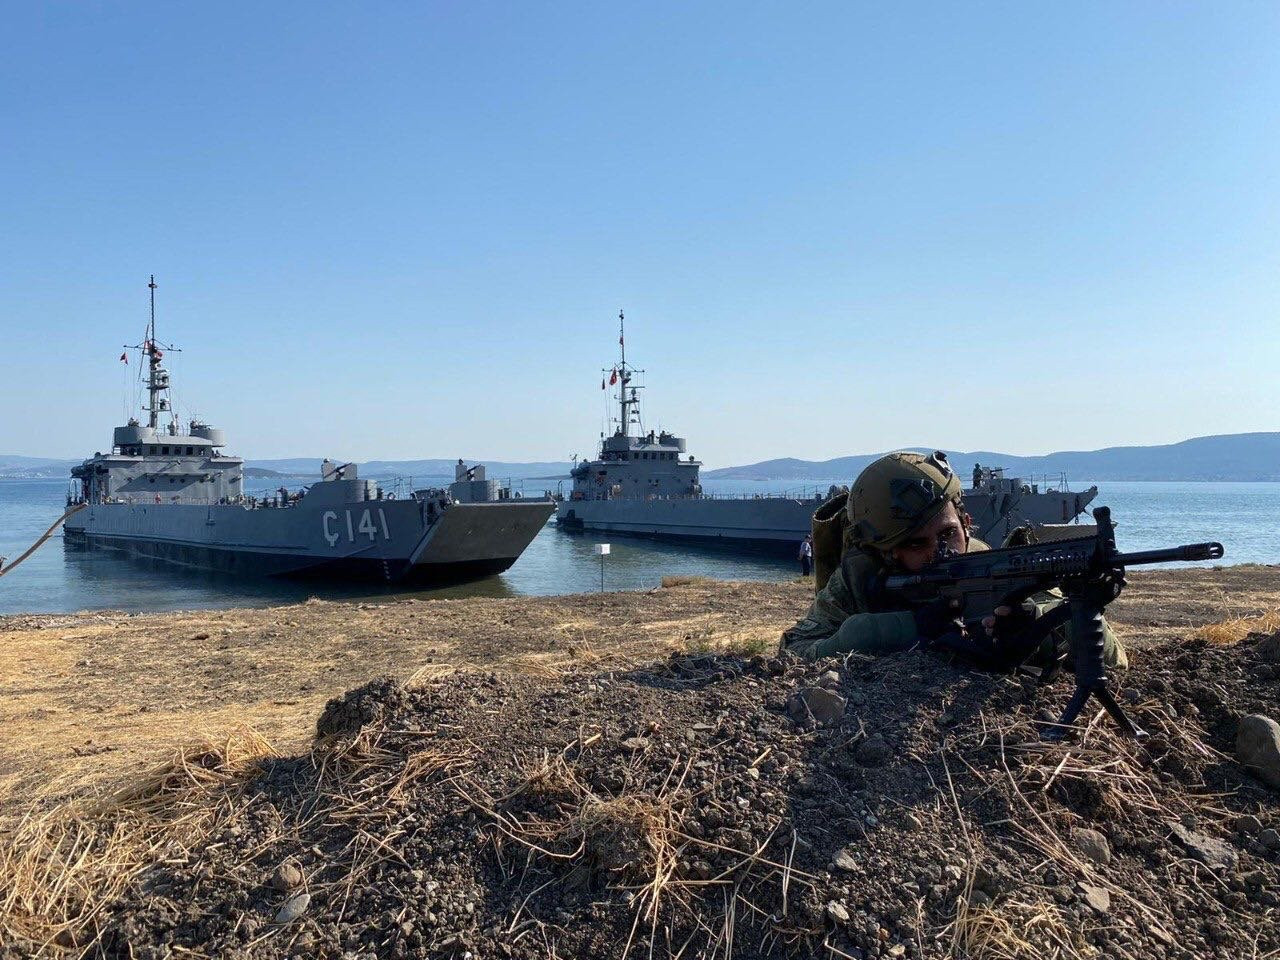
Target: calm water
x,y
1241,515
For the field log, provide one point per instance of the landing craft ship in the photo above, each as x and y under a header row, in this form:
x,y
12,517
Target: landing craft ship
x,y
174,495
647,485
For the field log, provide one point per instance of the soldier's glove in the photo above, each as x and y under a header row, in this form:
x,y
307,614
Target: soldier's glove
x,y
1015,635
936,618
1018,635
971,645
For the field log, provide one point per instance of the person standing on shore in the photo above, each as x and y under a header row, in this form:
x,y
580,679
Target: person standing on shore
x,y
806,555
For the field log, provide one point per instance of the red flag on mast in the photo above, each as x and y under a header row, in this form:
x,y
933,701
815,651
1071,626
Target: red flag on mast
x,y
613,377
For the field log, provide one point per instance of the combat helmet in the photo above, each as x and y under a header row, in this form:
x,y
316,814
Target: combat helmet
x,y
897,494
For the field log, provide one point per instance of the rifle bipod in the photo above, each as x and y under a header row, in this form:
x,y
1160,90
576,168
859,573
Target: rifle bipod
x,y
1088,647
1077,703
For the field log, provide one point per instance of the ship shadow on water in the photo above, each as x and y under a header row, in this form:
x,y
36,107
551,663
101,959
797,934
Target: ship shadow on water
x,y
724,559
146,583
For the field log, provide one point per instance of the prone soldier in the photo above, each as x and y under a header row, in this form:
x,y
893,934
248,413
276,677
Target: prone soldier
x,y
904,511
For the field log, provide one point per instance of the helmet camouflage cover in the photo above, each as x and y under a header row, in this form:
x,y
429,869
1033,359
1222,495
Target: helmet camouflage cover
x,y
896,495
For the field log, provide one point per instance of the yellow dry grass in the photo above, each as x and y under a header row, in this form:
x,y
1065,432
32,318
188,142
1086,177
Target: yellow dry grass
x,y
61,864
633,841
1232,631
103,693
669,583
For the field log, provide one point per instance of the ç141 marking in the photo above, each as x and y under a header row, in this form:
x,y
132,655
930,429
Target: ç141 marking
x,y
365,527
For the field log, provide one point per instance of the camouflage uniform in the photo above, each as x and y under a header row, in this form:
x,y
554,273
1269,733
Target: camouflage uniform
x,y
843,618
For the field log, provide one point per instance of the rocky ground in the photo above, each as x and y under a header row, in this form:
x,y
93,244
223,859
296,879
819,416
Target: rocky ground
x,y
705,804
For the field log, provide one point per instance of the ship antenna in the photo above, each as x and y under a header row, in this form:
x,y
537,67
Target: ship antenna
x,y
157,376
627,398
622,372
153,406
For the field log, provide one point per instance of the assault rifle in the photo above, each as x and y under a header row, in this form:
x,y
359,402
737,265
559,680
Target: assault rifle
x,y
1088,571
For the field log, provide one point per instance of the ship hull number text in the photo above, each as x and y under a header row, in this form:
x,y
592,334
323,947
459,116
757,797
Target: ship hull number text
x,y
336,525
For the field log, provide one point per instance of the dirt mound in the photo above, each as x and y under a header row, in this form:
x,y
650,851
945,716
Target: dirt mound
x,y
711,806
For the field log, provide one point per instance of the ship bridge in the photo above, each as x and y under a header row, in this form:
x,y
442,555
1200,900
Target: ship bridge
x,y
151,463
639,465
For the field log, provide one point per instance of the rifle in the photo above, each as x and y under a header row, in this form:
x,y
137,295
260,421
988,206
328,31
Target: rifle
x,y
1089,572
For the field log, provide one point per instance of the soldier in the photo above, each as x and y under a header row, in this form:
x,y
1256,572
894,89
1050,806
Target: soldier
x,y
901,509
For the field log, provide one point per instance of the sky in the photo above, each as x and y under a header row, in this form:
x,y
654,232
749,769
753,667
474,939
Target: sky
x,y
405,230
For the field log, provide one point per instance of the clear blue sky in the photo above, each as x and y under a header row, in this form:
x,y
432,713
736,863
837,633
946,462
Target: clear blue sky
x,y
404,230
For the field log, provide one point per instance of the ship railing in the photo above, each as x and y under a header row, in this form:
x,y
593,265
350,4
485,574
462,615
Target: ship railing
x,y
1047,482
795,493
510,488
810,494
1041,482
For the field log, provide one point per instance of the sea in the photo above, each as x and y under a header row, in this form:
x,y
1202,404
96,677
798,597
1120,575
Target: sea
x,y
1242,516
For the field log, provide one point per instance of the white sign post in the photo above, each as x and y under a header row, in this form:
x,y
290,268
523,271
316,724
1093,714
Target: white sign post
x,y
602,551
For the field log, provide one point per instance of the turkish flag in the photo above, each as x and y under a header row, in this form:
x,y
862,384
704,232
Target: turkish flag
x,y
613,377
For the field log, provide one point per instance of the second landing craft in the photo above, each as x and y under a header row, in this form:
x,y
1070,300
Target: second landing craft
x,y
645,484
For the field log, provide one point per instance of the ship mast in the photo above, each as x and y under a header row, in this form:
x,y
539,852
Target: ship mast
x,y
627,401
157,375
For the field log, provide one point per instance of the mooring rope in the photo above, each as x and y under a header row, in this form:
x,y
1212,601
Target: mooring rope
x,y
47,534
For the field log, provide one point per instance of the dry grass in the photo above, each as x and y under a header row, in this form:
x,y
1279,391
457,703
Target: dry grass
x,y
669,583
633,842
61,864
743,643
1229,632
1100,768
1015,930
105,693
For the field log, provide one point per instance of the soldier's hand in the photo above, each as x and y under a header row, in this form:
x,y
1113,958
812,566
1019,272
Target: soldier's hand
x,y
937,617
1012,634
1007,622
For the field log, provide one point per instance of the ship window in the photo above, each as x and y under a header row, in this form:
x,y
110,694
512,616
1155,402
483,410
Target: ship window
x,y
164,449
190,451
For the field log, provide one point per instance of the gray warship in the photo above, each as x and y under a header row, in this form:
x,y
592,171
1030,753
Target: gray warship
x,y
174,495
646,484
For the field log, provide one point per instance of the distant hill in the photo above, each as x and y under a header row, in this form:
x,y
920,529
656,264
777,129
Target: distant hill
x,y
33,468
1237,456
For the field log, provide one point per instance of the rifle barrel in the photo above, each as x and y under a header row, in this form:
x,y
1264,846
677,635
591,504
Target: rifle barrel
x,y
1188,551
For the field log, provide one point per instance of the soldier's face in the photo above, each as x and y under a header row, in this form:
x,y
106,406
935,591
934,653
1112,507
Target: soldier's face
x,y
919,550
